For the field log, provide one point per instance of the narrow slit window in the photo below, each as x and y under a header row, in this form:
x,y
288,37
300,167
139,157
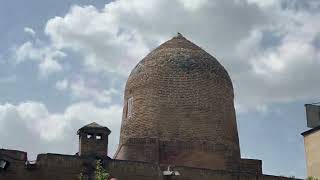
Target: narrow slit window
x,y
129,107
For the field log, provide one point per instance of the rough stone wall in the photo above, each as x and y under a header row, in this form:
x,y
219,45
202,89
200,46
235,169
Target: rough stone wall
x,y
180,94
205,174
16,169
50,167
130,170
59,167
67,167
140,149
253,166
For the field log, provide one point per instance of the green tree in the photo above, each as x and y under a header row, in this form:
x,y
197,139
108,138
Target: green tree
x,y
312,178
81,176
100,173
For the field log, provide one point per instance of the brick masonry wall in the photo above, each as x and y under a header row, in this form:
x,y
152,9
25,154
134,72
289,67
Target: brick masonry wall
x,y
93,146
181,93
251,166
50,167
68,167
131,170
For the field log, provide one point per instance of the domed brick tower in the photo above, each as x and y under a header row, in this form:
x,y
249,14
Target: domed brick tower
x,y
179,110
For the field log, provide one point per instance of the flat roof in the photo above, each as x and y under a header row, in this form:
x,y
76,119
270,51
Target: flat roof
x,y
311,131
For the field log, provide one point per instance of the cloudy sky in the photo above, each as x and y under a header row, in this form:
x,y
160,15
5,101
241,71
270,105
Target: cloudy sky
x,y
64,64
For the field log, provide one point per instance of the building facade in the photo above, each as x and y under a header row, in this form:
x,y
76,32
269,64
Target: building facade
x,y
312,151
178,123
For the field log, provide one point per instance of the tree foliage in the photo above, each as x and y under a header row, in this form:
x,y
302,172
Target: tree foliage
x,y
100,173
312,178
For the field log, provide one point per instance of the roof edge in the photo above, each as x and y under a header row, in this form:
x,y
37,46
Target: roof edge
x,y
310,131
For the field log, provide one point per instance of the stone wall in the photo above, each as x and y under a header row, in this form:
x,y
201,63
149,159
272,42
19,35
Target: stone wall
x,y
47,167
253,166
59,167
68,167
16,169
129,170
93,146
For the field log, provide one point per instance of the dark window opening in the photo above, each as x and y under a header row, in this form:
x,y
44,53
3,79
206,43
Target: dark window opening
x,y
129,106
3,164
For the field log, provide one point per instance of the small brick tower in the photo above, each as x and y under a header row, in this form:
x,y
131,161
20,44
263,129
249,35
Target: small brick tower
x,y
93,140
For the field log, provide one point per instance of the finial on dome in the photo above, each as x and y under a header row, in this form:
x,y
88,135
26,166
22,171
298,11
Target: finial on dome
x,y
180,36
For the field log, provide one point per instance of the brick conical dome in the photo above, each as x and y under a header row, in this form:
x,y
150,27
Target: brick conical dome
x,y
179,110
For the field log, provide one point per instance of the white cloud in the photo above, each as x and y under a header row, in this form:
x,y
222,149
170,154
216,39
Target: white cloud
x,y
193,5
114,38
263,46
29,31
33,120
265,3
103,45
80,90
62,85
49,66
27,51
285,71
47,57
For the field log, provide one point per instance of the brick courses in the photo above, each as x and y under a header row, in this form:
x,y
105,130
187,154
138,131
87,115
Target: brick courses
x,y
181,96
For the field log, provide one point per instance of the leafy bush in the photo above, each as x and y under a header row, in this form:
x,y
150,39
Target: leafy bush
x,y
312,178
100,173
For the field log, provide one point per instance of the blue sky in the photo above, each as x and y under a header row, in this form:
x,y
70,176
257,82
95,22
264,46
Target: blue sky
x,y
64,64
